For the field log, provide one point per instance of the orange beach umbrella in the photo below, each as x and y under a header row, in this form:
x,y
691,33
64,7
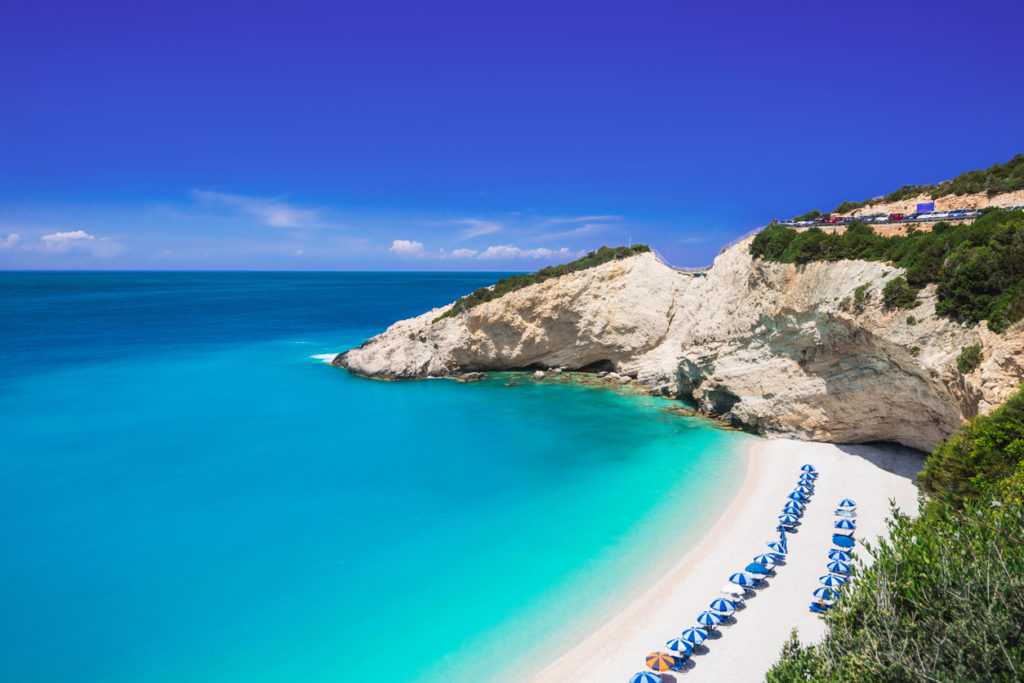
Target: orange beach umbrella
x,y
661,661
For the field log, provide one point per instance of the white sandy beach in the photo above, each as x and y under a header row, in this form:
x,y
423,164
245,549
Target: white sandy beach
x,y
751,644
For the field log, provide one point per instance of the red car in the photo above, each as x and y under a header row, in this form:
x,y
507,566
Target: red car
x,y
895,216
831,220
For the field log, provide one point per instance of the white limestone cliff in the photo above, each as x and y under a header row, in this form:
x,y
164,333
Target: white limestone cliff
x,y
767,346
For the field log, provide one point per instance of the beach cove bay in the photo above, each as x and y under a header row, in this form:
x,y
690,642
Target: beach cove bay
x,y
191,493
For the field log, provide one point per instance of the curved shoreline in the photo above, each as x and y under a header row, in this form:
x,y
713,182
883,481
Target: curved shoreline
x,y
870,474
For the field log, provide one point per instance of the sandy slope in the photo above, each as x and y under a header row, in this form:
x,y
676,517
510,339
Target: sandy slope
x,y
747,648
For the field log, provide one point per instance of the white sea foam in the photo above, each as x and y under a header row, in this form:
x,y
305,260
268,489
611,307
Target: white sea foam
x,y
325,357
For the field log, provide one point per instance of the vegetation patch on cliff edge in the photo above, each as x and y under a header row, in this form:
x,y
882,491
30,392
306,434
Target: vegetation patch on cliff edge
x,y
514,282
978,268
994,180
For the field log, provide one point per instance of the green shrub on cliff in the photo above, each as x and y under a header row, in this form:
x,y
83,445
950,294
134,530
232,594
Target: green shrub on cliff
x,y
514,282
898,294
978,268
969,359
944,598
994,179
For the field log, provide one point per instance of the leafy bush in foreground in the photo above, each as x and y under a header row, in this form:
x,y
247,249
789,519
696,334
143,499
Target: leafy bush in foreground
x,y
944,597
514,282
979,268
986,450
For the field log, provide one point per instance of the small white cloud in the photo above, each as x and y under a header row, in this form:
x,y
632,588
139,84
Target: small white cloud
x,y
508,251
298,252
463,253
500,251
477,228
406,248
9,241
273,213
78,240
64,241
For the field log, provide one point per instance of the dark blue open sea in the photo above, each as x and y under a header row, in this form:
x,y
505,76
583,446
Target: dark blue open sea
x,y
189,494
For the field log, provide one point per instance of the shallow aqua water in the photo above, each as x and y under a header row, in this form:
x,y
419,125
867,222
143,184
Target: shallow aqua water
x,y
189,495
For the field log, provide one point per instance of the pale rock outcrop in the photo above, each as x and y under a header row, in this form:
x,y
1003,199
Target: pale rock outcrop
x,y
772,347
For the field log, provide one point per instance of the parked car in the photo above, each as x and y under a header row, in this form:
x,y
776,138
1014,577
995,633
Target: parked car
x,y
831,219
911,217
895,217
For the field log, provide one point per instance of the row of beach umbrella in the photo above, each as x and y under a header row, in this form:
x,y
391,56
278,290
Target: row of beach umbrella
x,y
839,557
723,608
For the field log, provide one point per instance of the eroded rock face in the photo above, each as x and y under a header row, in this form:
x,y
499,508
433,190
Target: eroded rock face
x,y
772,347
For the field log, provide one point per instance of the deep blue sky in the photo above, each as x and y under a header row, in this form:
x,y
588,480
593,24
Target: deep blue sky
x,y
301,135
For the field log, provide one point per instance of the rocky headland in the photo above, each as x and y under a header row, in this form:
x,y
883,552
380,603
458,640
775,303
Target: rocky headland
x,y
775,348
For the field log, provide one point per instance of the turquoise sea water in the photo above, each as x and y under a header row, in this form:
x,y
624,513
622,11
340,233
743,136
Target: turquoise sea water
x,y
188,494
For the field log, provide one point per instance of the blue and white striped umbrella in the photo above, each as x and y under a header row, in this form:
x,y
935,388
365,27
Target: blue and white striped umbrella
x,y
645,677
799,503
825,593
789,519
764,559
722,605
792,509
777,547
808,476
742,579
847,503
707,618
845,524
808,468
694,636
679,645
840,555
837,567
796,495
831,580
806,490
